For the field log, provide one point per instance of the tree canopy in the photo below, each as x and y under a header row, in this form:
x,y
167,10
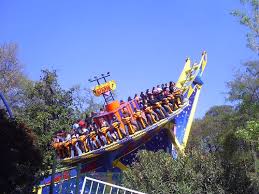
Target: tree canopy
x,y
21,157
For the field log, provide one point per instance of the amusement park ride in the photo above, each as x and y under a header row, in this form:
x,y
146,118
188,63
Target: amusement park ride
x,y
170,134
173,130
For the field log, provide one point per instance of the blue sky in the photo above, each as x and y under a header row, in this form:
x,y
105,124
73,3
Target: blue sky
x,y
141,42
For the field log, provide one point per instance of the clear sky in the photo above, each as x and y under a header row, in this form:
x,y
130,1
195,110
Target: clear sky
x,y
141,42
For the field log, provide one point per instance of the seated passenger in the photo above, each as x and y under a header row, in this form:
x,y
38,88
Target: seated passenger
x,y
101,111
159,89
147,92
76,144
164,101
120,131
156,105
178,97
100,135
143,96
153,90
167,105
94,139
122,102
109,134
84,137
151,116
171,87
162,86
137,98
130,126
68,145
59,147
162,97
77,128
141,121
165,86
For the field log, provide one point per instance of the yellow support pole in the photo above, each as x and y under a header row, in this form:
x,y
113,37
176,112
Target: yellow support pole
x,y
118,164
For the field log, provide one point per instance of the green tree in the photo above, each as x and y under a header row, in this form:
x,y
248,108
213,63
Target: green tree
x,y
206,132
249,17
21,158
250,134
159,173
244,91
48,108
12,77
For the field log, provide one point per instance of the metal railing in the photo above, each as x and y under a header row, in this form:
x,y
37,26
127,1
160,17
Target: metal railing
x,y
101,187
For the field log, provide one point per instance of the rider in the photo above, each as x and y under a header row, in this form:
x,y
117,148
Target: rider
x,y
76,143
108,133
94,139
141,121
116,125
130,126
58,146
157,107
84,137
151,116
164,101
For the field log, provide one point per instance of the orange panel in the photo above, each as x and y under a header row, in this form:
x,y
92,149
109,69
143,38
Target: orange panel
x,y
112,106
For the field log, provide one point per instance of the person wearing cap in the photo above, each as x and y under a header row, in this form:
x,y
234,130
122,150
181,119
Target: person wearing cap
x,y
84,136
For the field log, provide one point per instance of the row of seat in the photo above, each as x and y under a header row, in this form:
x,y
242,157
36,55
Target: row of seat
x,y
87,137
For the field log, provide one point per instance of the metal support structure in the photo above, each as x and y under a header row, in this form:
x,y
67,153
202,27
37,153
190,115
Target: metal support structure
x,y
6,105
97,186
78,170
107,97
54,166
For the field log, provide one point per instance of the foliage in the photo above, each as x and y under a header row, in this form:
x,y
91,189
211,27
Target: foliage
x,y
250,133
249,17
12,77
48,108
226,131
206,132
21,158
237,163
159,173
244,90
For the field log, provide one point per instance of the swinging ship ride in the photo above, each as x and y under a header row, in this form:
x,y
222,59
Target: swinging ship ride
x,y
169,133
